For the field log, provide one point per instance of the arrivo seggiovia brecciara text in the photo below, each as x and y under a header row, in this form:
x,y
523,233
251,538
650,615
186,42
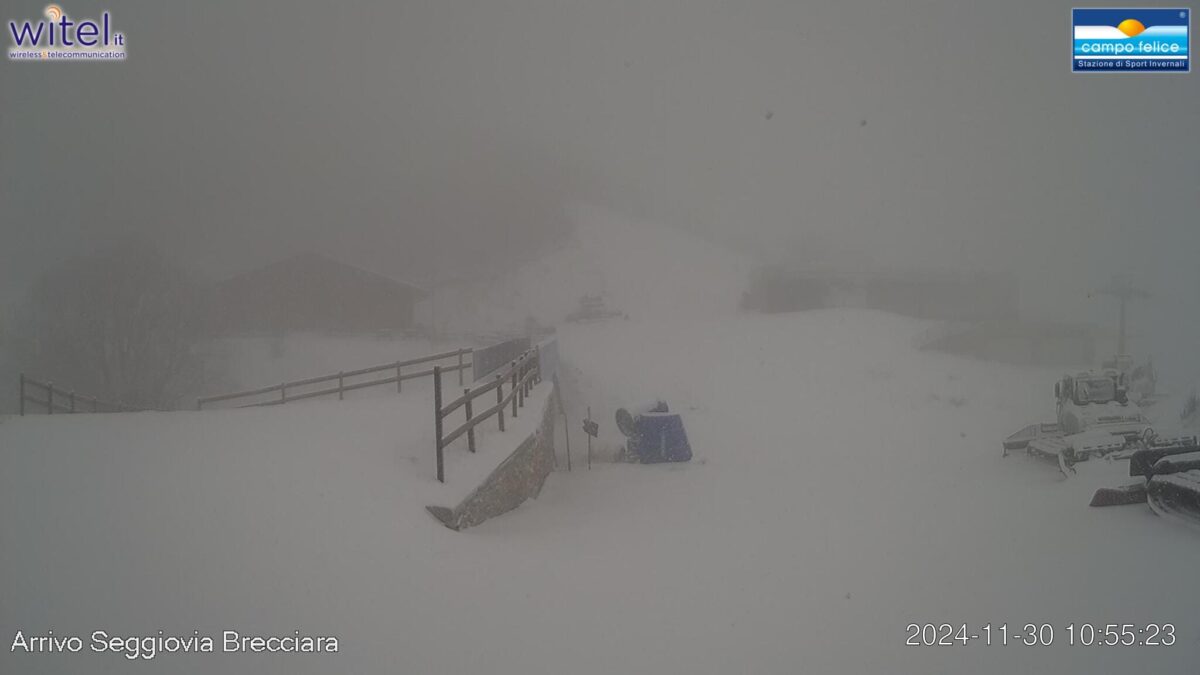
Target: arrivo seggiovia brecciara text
x,y
147,647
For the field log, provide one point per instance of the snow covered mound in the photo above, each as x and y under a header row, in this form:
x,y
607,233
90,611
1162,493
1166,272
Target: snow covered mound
x,y
640,269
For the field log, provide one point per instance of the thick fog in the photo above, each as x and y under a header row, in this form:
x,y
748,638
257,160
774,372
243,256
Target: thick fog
x,y
416,136
316,256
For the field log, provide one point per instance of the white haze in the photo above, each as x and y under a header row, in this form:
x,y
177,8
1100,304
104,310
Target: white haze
x,y
512,156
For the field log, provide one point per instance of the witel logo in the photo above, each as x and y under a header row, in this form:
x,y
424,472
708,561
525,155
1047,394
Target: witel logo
x,y
64,39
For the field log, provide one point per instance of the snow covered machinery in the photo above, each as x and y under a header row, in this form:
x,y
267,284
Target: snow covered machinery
x,y
655,434
1141,381
1095,418
1170,467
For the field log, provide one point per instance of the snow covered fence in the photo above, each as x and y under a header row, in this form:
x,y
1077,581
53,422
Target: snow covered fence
x,y
342,386
519,477
521,375
64,401
490,359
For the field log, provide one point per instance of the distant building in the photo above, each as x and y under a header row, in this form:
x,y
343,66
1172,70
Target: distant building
x,y
311,292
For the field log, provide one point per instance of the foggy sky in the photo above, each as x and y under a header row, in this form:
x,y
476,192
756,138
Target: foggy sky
x,y
415,138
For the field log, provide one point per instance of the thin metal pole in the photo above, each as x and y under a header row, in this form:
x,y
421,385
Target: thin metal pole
x,y
398,380
49,398
460,368
500,400
283,393
470,429
22,405
589,437
437,421
72,399
342,385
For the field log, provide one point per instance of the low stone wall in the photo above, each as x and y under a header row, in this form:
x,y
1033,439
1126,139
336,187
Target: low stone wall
x,y
519,477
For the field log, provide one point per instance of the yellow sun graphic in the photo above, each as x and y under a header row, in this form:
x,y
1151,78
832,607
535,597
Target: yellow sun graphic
x,y
1131,27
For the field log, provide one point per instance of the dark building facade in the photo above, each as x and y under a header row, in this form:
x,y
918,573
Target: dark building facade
x,y
311,292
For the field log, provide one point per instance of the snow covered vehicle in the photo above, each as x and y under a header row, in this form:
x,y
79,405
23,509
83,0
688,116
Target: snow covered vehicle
x,y
1095,418
1170,466
1141,381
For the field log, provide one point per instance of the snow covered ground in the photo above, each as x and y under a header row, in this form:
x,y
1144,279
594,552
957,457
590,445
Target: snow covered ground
x,y
844,485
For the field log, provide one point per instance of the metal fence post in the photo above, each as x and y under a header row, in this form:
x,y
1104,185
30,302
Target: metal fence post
x,y
437,421
283,393
22,404
72,399
398,380
341,385
500,400
470,429
49,398
94,404
460,368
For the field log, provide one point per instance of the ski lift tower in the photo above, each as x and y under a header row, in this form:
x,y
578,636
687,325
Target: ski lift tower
x,y
1122,289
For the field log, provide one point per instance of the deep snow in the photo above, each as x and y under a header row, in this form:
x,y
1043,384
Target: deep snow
x,y
844,485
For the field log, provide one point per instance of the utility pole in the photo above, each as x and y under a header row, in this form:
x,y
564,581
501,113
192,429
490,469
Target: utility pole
x,y
1122,289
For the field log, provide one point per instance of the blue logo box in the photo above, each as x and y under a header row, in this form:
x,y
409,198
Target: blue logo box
x,y
1133,39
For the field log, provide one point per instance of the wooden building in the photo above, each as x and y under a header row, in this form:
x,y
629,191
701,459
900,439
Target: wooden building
x,y
311,292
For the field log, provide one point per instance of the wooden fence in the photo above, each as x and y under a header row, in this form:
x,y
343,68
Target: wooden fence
x,y
521,375
491,359
398,378
64,401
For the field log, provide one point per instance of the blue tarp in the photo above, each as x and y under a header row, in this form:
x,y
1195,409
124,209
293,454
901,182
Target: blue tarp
x,y
655,434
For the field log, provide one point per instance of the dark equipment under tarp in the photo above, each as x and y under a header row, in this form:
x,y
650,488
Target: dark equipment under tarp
x,y
655,434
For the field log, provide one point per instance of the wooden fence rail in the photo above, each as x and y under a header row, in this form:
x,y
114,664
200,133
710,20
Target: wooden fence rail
x,y
398,378
61,400
521,375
